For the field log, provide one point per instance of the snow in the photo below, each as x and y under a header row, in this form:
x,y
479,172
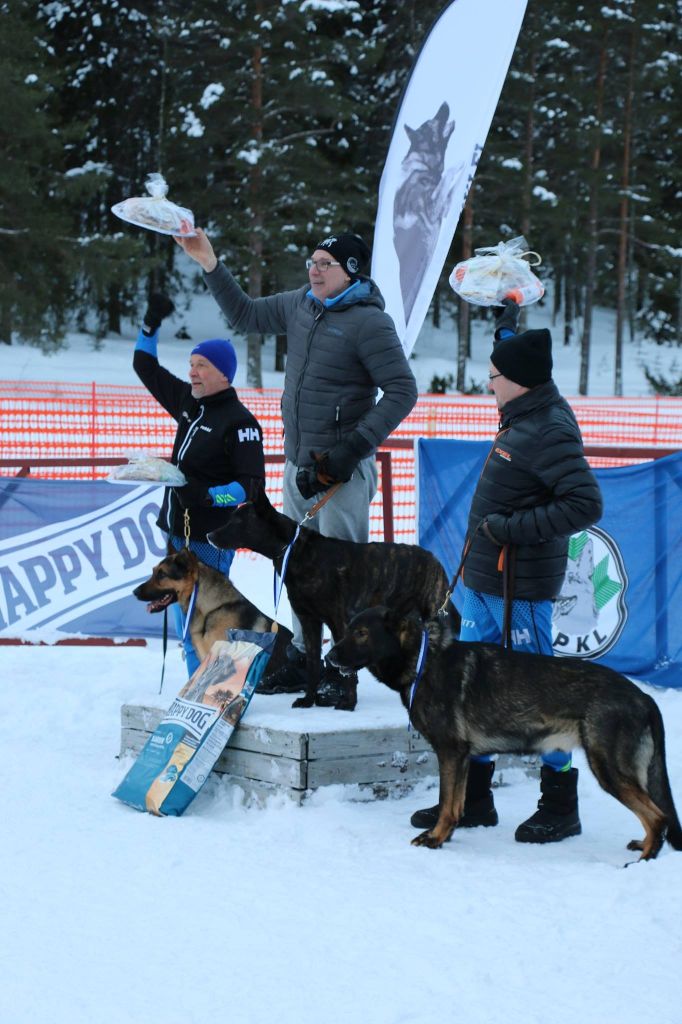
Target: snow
x,y
322,913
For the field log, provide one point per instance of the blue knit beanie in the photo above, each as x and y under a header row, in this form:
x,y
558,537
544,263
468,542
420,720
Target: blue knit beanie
x,y
221,353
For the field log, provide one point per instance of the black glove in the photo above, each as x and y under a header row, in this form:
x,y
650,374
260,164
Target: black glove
x,y
158,308
307,482
506,317
339,463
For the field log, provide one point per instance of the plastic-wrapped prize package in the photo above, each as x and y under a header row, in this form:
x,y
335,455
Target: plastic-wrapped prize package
x,y
145,468
155,212
499,272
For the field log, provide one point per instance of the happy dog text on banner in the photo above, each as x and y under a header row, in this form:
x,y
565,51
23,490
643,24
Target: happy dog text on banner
x,y
70,555
438,137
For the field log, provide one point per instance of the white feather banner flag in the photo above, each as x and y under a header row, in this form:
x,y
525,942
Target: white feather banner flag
x,y
439,133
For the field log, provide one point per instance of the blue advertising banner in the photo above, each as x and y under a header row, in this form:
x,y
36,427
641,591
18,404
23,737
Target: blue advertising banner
x,y
70,555
621,601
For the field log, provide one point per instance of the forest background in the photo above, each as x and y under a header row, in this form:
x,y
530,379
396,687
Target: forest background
x,y
271,121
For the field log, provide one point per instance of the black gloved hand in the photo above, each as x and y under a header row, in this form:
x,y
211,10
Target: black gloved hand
x,y
158,308
506,317
308,483
338,464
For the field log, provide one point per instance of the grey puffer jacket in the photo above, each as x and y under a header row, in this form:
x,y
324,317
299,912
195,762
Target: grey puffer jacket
x,y
339,354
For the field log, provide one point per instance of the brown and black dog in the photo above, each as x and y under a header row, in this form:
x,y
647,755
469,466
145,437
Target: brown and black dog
x,y
478,698
328,580
218,606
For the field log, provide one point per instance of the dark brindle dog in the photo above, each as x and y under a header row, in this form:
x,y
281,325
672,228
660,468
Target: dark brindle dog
x,y
328,580
218,606
478,698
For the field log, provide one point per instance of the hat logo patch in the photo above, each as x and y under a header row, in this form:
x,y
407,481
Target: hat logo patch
x,y
352,265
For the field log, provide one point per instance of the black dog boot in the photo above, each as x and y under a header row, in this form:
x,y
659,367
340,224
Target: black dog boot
x,y
479,807
290,678
557,815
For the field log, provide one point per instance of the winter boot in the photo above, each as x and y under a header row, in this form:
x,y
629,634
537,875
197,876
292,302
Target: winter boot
x,y
479,808
290,678
557,815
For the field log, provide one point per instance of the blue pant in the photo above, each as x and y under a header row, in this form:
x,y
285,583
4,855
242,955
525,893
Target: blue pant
x,y
531,631
217,559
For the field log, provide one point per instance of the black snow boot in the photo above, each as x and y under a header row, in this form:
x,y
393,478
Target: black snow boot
x,y
557,815
479,808
290,678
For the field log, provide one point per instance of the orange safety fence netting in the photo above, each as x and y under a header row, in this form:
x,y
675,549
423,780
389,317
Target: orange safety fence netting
x,y
94,421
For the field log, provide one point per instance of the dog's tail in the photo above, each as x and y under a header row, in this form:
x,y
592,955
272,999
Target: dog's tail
x,y
659,782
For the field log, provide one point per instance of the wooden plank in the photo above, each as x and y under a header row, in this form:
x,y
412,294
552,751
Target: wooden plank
x,y
371,769
276,742
248,764
351,743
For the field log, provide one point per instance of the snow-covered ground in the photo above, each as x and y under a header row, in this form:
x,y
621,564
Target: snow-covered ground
x,y
322,913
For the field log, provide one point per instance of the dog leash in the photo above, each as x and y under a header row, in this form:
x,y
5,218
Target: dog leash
x,y
188,618
278,581
421,661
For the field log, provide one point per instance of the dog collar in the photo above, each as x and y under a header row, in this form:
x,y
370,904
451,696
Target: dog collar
x,y
421,661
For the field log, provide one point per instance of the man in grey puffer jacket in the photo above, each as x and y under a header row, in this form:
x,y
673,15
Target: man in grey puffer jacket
x,y
341,349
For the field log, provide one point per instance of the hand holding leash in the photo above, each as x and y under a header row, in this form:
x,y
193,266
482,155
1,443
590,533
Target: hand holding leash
x,y
339,463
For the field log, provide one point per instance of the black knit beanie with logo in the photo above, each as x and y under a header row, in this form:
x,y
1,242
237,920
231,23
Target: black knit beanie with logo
x,y
350,250
525,358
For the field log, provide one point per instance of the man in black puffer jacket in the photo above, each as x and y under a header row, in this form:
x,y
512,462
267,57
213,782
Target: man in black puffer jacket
x,y
535,490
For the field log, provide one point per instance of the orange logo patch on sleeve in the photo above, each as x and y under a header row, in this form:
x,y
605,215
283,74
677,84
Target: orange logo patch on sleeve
x,y
503,454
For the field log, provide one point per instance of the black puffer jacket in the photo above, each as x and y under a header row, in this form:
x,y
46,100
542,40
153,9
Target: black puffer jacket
x,y
535,490
218,441
338,355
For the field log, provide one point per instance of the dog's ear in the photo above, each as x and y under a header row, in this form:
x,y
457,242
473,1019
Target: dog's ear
x,y
185,558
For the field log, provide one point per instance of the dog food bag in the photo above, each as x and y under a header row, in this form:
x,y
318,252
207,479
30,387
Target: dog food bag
x,y
179,756
155,212
499,272
146,468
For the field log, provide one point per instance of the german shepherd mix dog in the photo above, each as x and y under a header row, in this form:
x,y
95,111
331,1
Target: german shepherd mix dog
x,y
218,605
478,698
328,580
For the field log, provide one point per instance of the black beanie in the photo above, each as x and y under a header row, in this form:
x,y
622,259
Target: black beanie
x,y
526,358
350,250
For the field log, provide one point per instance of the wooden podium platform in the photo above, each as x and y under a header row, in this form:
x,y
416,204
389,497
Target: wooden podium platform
x,y
265,758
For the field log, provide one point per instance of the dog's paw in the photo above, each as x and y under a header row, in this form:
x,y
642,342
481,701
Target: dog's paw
x,y
303,702
345,704
427,839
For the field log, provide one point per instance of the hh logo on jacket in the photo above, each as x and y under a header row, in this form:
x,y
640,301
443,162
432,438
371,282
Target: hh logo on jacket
x,y
248,434
503,454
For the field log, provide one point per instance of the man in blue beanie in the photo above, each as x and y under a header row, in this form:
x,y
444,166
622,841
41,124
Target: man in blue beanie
x,y
218,444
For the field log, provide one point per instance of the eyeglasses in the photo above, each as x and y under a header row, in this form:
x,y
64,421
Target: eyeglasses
x,y
321,265
494,376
